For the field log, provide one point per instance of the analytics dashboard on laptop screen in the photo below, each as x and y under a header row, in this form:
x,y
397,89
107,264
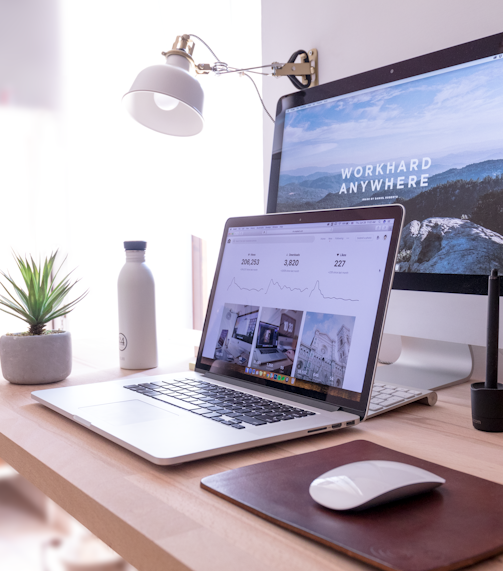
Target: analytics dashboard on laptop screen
x,y
296,304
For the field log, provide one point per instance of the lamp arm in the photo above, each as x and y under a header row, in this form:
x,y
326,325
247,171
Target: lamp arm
x,y
222,68
303,69
307,69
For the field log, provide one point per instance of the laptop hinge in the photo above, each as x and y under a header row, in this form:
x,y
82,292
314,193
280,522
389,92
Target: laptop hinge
x,y
353,411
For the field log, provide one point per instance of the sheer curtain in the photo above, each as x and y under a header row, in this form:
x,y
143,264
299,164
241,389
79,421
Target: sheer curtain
x,y
84,177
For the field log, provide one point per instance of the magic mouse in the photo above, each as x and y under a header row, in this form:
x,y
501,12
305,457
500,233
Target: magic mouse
x,y
361,485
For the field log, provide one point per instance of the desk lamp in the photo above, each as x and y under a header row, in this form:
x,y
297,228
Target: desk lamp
x,y
169,99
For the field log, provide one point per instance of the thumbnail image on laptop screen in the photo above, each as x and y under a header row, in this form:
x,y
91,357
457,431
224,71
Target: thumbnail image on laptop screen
x,y
294,305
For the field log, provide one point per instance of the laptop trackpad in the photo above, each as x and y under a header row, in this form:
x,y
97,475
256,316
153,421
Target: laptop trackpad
x,y
125,412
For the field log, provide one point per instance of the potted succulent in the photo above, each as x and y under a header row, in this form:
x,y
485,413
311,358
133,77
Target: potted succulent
x,y
38,355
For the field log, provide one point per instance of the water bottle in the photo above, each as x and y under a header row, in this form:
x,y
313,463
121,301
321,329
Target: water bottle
x,y
136,293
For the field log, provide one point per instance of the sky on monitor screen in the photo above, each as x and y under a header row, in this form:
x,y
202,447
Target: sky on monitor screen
x,y
436,116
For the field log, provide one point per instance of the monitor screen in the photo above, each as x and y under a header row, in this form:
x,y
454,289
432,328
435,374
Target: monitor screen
x,y
426,133
267,336
245,327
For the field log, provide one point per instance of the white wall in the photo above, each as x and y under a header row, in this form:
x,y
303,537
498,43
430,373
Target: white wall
x,y
353,36
86,177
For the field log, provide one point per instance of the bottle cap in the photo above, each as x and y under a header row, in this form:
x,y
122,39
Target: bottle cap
x,y
135,245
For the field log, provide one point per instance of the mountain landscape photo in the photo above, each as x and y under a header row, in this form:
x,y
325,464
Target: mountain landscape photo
x,y
433,143
460,210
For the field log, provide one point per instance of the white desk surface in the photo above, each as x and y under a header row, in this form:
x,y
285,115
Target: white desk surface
x,y
159,519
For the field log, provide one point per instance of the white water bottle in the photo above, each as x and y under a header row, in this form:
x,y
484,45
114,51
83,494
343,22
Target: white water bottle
x,y
136,292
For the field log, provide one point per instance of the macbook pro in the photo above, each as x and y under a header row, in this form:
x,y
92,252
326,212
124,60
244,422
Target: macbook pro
x,y
288,349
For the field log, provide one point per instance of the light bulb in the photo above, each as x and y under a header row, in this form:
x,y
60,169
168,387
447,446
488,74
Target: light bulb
x,y
165,102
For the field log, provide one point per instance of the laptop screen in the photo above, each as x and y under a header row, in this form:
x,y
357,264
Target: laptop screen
x,y
297,297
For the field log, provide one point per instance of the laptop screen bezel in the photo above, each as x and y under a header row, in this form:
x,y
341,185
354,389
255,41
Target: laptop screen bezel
x,y
314,398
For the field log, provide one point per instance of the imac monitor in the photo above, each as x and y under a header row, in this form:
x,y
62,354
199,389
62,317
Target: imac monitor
x,y
245,327
426,133
267,336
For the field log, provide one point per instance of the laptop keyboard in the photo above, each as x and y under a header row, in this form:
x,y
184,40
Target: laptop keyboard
x,y
227,406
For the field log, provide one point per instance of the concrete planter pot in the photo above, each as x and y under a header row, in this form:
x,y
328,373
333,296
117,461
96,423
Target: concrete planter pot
x,y
36,359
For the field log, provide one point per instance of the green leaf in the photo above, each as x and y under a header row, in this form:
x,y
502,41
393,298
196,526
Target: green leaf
x,y
41,299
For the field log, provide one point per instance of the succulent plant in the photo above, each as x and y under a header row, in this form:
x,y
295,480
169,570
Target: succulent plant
x,y
40,301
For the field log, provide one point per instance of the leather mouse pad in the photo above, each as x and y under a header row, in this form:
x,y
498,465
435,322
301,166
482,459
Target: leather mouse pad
x,y
450,527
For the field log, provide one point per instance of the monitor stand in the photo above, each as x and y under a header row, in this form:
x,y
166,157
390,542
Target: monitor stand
x,y
428,365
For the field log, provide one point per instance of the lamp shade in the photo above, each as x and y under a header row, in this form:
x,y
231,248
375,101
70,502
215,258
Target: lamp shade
x,y
167,98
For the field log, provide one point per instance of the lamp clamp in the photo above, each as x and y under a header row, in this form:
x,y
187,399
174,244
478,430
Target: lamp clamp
x,y
307,66
203,68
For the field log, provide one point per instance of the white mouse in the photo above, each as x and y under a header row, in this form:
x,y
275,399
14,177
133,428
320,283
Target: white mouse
x,y
365,484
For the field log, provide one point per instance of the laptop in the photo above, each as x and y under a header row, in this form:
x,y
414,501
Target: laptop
x,y
313,286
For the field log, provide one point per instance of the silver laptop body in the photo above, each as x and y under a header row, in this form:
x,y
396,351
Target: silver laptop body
x,y
311,285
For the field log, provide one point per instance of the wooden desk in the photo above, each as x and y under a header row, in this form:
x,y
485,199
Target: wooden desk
x,y
159,519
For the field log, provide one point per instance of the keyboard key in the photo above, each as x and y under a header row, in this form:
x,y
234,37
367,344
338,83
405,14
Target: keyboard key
x,y
403,394
176,402
391,401
238,426
251,420
265,418
200,410
375,407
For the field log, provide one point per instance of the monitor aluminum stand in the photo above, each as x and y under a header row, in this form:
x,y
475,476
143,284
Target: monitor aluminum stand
x,y
437,331
427,364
